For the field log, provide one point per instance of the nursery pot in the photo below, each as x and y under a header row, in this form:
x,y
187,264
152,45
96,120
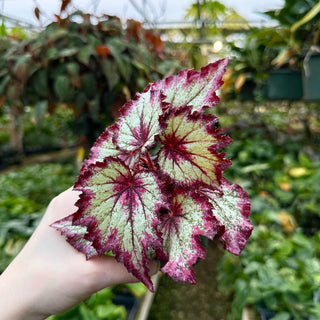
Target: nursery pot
x,y
311,77
285,84
130,302
247,91
265,314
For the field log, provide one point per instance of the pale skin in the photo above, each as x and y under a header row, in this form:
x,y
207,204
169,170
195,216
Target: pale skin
x,y
49,276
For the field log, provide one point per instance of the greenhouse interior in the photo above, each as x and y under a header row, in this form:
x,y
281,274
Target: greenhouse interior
x,y
187,136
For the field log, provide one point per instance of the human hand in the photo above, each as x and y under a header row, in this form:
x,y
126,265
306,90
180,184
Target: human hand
x,y
49,276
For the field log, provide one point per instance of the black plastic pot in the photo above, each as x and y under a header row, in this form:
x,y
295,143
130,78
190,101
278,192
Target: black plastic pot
x,y
265,314
247,91
130,302
285,84
9,156
311,78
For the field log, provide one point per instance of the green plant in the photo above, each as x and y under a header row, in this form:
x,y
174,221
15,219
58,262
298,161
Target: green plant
x,y
277,162
297,30
48,131
23,199
91,64
277,272
216,16
98,306
276,159
250,64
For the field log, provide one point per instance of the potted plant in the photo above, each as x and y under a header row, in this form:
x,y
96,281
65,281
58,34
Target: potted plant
x,y
298,29
249,66
311,74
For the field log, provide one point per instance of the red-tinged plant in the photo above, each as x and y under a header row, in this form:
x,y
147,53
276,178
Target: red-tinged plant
x,y
153,183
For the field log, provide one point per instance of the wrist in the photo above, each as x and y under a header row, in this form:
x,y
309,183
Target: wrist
x,y
18,291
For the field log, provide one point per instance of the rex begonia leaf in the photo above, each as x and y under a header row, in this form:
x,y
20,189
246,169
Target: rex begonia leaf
x,y
231,207
119,209
104,146
188,218
195,88
189,148
139,123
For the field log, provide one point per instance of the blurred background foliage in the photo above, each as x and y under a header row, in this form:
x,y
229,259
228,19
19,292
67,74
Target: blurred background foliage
x,y
62,85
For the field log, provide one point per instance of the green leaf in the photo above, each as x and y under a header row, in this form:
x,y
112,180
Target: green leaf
x,y
86,313
3,83
116,45
68,52
304,160
40,109
110,71
73,68
52,53
281,316
80,100
124,66
285,249
85,53
94,107
140,66
89,85
137,289
56,34
111,311
39,82
63,88
3,29
309,16
242,294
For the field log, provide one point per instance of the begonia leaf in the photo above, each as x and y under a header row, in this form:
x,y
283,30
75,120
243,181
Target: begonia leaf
x,y
231,207
196,88
181,227
118,207
139,123
189,148
104,146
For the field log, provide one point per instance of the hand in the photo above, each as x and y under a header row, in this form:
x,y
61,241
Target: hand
x,y
49,276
